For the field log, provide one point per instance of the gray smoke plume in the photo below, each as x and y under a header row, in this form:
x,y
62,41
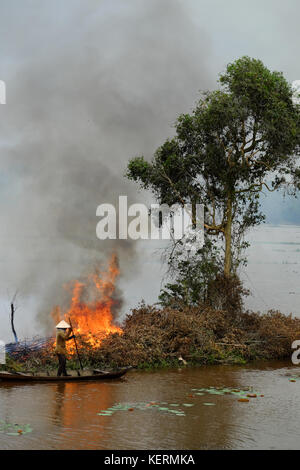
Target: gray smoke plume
x,y
89,85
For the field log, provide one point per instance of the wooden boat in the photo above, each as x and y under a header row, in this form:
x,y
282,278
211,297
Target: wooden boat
x,y
85,375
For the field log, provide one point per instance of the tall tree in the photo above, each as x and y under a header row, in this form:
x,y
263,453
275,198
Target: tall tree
x,y
239,140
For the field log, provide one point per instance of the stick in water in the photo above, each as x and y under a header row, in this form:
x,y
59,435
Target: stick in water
x,y
12,314
75,344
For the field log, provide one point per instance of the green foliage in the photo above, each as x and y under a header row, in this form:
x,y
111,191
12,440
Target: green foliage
x,y
238,141
192,276
12,365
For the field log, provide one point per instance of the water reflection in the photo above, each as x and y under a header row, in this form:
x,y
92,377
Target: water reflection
x,y
64,415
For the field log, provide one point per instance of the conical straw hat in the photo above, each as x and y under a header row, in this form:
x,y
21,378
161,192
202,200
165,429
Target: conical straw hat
x,y
63,324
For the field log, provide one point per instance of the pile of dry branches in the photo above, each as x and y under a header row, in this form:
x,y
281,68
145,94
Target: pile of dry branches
x,y
153,336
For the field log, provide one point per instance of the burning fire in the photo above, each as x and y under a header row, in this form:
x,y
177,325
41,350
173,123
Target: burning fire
x,y
92,304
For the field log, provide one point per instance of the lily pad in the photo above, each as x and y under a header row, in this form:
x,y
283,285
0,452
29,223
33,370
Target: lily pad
x,y
14,429
144,406
175,412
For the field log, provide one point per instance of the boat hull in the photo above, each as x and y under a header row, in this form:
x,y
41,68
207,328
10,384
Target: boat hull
x,y
5,377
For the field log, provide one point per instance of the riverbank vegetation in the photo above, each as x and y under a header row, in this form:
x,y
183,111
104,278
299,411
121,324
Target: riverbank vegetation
x,y
156,336
166,336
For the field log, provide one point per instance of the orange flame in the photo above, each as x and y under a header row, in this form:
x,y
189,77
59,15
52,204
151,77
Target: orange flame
x,y
92,305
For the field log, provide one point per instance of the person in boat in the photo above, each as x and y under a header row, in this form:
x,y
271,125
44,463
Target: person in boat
x,y
63,332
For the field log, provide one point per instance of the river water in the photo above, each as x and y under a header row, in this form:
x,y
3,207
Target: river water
x,y
64,416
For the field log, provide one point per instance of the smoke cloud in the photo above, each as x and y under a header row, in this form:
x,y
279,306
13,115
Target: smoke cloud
x,y
89,85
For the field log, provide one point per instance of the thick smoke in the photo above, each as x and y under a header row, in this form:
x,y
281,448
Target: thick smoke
x,y
89,85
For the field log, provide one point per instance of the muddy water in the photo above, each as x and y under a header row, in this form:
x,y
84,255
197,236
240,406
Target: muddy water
x,y
64,416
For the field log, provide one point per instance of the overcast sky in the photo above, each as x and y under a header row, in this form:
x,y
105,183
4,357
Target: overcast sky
x,y
90,84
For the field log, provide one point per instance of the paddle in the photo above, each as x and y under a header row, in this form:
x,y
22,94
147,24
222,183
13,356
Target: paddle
x,y
75,344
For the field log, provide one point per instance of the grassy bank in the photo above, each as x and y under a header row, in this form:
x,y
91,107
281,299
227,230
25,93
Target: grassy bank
x,y
158,337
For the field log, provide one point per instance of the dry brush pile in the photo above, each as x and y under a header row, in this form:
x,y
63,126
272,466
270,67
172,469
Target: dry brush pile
x,y
214,332
154,336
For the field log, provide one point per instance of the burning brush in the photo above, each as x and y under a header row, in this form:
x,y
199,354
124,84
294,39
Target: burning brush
x,y
93,304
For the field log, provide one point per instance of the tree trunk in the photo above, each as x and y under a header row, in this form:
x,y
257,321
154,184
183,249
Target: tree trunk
x,y
227,234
